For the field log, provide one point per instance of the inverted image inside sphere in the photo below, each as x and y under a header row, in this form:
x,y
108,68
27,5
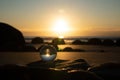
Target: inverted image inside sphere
x,y
48,53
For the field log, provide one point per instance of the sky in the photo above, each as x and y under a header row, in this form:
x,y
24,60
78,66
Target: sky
x,y
79,17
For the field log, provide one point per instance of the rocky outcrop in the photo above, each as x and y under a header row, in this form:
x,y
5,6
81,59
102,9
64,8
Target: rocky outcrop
x,y
11,39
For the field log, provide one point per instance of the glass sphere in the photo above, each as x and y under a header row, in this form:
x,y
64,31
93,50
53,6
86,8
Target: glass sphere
x,y
48,53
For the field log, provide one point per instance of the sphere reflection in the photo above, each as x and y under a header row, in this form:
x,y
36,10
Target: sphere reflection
x,y
48,53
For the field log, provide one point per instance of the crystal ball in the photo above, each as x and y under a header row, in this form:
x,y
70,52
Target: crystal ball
x,y
48,53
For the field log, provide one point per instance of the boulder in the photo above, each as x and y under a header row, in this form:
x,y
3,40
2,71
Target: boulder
x,y
11,39
77,42
108,42
118,42
67,49
108,71
37,40
94,41
14,72
83,75
58,41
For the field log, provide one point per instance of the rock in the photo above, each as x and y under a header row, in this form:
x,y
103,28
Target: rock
x,y
94,41
118,42
108,71
78,64
66,64
58,41
67,49
77,42
79,60
79,50
14,72
108,42
37,40
11,39
46,65
83,75
47,74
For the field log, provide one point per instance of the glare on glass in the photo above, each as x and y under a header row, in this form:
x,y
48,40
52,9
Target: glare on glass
x,y
48,53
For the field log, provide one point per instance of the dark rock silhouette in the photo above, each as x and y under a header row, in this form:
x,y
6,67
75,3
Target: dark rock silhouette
x,y
78,64
67,49
58,41
11,39
79,50
46,71
37,40
108,42
60,64
94,41
13,72
47,74
118,42
79,60
83,75
77,42
108,71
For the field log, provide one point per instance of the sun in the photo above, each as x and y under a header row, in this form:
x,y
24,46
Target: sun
x,y
61,27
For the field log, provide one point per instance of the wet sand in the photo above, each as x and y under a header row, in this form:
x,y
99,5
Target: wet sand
x,y
93,58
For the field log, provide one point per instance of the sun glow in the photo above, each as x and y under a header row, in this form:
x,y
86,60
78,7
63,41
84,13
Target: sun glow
x,y
61,27
61,36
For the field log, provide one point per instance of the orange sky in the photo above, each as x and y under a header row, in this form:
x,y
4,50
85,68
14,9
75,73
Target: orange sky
x,y
83,17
